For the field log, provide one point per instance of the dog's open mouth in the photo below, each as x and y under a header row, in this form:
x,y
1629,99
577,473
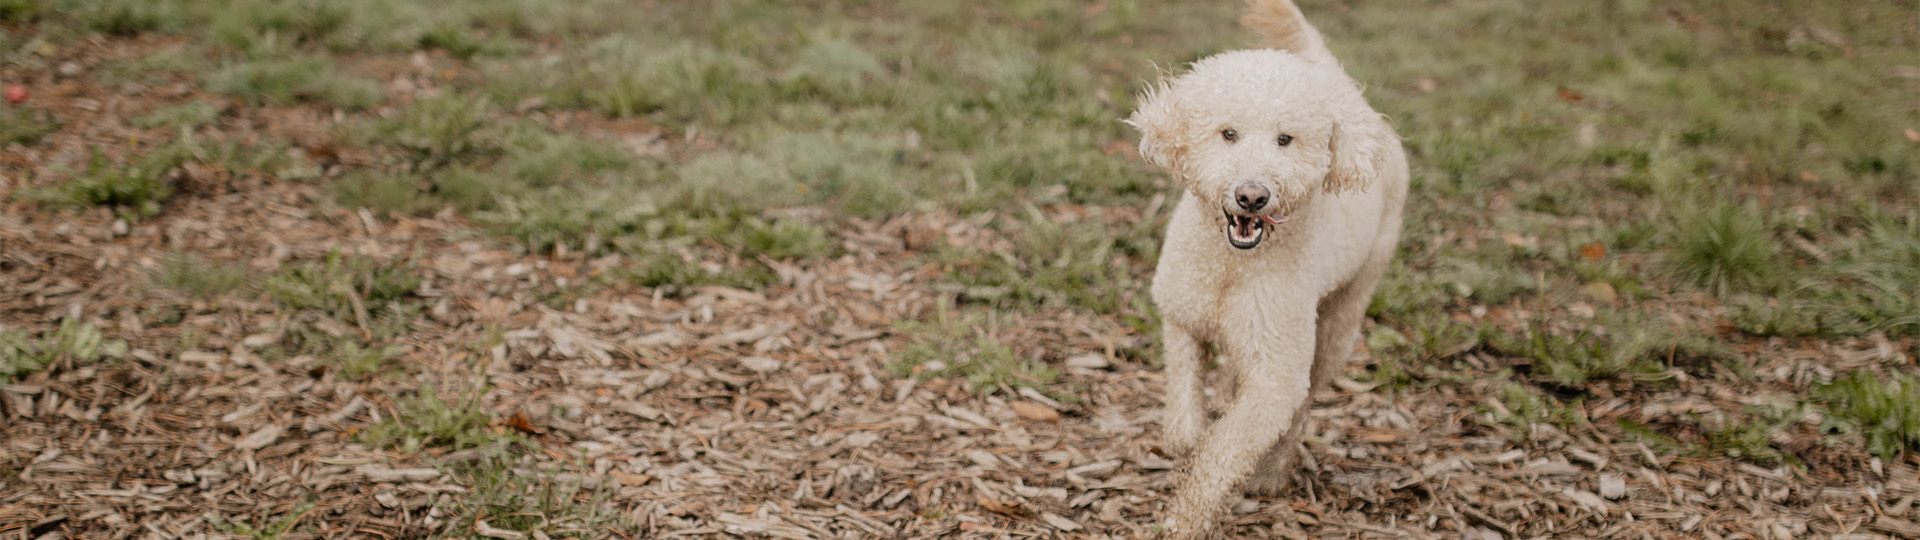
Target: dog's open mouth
x,y
1245,232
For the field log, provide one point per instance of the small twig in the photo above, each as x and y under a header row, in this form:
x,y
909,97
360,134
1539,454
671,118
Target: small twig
x,y
1487,520
360,313
1369,528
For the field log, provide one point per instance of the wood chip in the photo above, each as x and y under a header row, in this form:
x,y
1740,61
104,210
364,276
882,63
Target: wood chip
x,y
260,438
1034,411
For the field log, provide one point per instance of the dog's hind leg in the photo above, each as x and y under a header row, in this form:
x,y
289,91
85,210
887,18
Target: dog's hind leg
x,y
1340,316
1185,418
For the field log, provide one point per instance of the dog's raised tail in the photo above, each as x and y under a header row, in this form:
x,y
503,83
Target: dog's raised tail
x,y
1282,26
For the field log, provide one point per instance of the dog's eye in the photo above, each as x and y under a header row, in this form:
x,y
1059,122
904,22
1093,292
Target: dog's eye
x,y
1230,135
1285,139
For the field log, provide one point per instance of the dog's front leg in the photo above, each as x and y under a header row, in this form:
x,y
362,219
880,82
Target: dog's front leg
x,y
1274,386
1185,418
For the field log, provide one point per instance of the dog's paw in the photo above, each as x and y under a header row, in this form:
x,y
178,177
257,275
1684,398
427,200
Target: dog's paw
x,y
1180,439
1267,484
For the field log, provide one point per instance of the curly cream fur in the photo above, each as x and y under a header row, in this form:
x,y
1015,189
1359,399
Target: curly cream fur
x,y
1284,315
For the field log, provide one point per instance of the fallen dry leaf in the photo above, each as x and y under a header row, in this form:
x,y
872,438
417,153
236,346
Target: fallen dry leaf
x,y
1593,252
1004,508
519,422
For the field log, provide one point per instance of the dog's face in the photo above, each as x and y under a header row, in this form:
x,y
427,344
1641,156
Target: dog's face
x,y
1259,133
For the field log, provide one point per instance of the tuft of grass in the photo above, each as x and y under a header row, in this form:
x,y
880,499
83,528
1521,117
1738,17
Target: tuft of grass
x,y
136,189
343,286
534,503
155,68
683,82
24,126
345,311
1625,346
1886,411
199,277
262,29
423,420
380,190
964,345
269,528
72,341
133,17
1751,438
781,239
1725,248
187,115
674,275
1526,407
1052,264
438,130
19,11
293,81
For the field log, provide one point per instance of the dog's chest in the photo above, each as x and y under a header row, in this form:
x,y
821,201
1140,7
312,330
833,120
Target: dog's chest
x,y
1200,281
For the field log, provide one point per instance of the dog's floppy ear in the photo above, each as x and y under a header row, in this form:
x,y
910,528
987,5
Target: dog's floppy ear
x,y
1163,140
1360,144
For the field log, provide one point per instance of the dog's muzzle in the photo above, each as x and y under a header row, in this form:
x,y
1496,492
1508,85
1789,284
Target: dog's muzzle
x,y
1246,232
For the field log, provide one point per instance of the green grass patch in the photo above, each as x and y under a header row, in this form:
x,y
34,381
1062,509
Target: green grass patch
x,y
966,345
424,420
438,130
1885,411
77,342
294,81
24,126
198,277
345,310
1524,406
530,502
674,275
126,18
135,189
1725,248
1082,264
192,114
264,527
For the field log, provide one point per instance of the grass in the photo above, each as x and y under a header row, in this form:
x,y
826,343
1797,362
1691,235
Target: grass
x,y
1883,410
965,345
192,114
24,126
1522,407
198,277
1079,264
294,81
438,130
138,187
424,420
266,528
674,275
1725,248
134,189
529,502
345,310
72,341
1619,346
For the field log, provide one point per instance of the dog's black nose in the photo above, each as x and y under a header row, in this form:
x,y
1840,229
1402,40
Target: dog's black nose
x,y
1252,197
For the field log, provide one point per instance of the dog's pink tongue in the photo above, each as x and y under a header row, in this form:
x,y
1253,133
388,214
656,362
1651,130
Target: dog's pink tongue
x,y
1273,220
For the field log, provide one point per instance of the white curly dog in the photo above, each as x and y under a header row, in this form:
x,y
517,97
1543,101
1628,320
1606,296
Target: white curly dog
x,y
1277,149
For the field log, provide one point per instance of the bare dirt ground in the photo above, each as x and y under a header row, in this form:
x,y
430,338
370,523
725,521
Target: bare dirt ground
x,y
748,413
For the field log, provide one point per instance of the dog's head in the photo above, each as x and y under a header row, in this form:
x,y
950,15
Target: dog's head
x,y
1260,133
